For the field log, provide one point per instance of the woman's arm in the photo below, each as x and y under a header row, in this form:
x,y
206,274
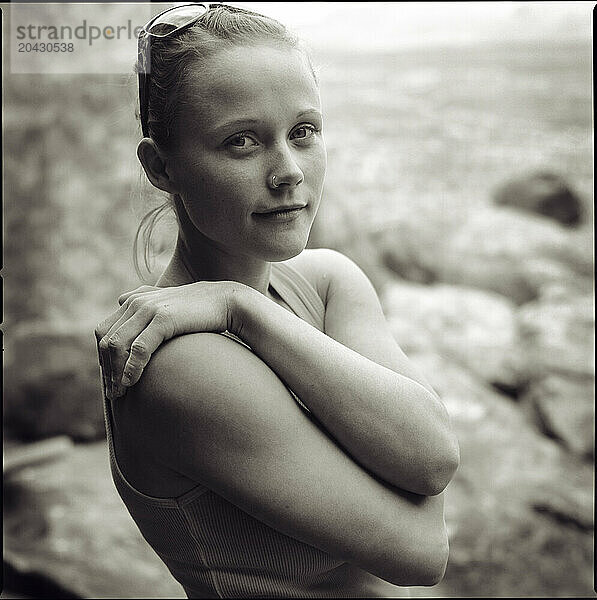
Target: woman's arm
x,y
354,379
210,409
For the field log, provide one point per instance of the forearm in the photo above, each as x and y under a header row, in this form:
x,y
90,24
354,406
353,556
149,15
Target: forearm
x,y
387,422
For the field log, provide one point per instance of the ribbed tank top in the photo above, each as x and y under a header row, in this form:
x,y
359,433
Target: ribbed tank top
x,y
216,550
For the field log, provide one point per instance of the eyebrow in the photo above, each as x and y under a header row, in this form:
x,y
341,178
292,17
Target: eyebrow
x,y
249,121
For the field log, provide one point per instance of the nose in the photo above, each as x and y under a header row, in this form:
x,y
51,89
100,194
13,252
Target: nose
x,y
285,171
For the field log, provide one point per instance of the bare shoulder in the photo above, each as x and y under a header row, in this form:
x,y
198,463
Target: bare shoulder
x,y
190,383
354,315
198,386
194,365
327,269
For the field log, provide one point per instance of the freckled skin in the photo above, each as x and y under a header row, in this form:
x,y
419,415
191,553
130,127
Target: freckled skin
x,y
224,178
250,113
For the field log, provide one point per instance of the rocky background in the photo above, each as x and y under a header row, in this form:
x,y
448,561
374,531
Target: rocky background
x,y
460,180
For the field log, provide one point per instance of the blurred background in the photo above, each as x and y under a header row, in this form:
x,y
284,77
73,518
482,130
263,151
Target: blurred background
x,y
460,179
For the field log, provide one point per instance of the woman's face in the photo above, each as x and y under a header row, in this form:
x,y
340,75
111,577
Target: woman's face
x,y
253,112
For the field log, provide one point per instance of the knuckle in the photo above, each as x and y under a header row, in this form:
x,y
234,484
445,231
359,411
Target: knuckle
x,y
131,372
135,303
101,329
139,350
162,314
114,342
164,320
147,311
103,345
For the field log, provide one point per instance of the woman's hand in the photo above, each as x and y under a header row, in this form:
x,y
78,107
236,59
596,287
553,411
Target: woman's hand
x,y
147,317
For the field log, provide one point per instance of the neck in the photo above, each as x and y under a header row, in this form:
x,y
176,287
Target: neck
x,y
201,260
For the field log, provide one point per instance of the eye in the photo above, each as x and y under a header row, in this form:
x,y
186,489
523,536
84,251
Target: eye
x,y
241,140
303,132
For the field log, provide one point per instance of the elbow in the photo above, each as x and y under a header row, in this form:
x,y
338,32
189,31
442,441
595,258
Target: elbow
x,y
434,566
431,562
431,574
441,469
425,568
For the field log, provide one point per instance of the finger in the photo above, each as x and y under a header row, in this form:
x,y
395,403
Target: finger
x,y
140,290
98,336
109,345
146,343
102,336
120,339
109,348
102,350
107,324
102,332
102,370
104,360
102,328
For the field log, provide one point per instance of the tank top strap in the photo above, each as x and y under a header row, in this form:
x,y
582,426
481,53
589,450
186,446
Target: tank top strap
x,y
298,293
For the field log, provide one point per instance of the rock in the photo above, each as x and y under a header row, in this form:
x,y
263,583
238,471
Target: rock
x,y
338,228
543,193
18,456
64,523
520,509
565,409
474,328
558,336
52,383
568,507
557,341
495,249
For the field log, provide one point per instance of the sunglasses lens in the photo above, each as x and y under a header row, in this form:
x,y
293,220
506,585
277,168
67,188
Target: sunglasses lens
x,y
176,18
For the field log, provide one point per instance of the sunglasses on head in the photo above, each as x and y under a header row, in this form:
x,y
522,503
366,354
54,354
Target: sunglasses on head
x,y
177,19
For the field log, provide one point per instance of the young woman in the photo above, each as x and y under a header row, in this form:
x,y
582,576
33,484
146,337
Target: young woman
x,y
278,443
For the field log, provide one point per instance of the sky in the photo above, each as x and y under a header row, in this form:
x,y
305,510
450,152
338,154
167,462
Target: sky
x,y
371,25
345,26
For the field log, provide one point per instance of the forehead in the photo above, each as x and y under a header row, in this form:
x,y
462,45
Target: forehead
x,y
252,82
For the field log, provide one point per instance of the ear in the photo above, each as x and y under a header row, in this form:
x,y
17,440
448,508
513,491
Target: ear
x,y
154,165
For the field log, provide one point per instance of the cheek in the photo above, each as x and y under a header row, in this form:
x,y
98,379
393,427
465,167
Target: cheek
x,y
318,165
230,179
218,202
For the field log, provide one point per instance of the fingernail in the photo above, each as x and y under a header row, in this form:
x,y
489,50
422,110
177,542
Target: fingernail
x,y
126,380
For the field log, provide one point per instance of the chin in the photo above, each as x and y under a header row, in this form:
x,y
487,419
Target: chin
x,y
281,241
284,254
281,252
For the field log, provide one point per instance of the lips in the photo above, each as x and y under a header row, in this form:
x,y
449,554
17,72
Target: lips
x,y
281,209
281,214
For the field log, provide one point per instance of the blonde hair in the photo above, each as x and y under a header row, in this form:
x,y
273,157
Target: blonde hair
x,y
173,58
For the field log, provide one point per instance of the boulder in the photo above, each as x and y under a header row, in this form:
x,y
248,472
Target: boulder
x,y
495,249
519,511
474,328
557,335
543,193
52,383
66,526
557,343
564,408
